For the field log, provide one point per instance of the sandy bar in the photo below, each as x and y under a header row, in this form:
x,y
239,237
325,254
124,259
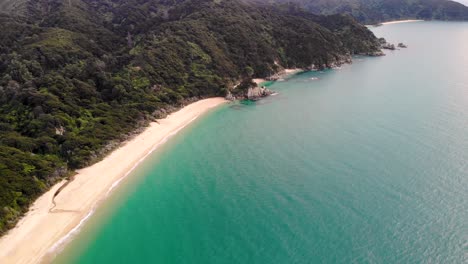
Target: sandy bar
x,y
401,21
41,232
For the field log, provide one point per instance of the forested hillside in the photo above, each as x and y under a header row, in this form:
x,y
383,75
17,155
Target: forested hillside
x,y
77,76
375,11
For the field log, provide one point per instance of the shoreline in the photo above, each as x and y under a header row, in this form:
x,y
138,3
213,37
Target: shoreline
x,y
280,75
400,21
395,22
40,233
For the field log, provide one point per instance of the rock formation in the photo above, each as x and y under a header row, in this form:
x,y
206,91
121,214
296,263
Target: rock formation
x,y
388,46
401,45
255,93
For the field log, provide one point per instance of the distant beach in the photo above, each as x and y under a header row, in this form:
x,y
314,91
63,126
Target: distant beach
x,y
282,74
258,81
394,22
401,21
40,232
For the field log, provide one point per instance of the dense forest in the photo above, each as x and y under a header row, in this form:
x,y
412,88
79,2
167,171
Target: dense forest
x,y
375,11
79,76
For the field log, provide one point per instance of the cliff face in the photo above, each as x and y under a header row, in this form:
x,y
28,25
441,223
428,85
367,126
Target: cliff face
x,y
98,69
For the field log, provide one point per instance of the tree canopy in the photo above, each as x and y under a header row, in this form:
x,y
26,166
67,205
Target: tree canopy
x,y
77,77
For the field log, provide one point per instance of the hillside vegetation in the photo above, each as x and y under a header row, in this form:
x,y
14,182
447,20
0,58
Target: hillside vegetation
x,y
375,11
79,76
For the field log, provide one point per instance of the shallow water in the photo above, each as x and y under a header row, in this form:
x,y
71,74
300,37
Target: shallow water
x,y
366,164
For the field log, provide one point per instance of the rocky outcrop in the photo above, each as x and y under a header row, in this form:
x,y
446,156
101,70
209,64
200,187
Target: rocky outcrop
x,y
230,97
332,63
256,93
388,46
374,53
247,90
385,45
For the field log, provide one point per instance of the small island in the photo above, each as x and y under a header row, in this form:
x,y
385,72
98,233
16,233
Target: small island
x,y
389,46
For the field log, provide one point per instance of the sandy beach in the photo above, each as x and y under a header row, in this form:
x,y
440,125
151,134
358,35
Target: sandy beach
x,y
401,21
258,81
41,232
280,75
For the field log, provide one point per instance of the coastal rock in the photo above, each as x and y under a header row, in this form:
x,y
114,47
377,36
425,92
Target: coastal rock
x,y
230,97
255,93
333,62
385,45
248,90
375,54
402,45
312,67
279,75
388,46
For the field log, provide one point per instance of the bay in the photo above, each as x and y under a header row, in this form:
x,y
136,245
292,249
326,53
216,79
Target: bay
x,y
363,164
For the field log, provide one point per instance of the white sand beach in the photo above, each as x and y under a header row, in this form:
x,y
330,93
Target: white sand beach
x,y
258,81
401,21
41,231
280,75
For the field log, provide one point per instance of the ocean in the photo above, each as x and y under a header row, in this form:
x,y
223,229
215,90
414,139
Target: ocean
x,y
367,163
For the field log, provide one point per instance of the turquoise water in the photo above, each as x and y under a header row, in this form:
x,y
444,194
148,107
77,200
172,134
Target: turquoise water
x,y
366,164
